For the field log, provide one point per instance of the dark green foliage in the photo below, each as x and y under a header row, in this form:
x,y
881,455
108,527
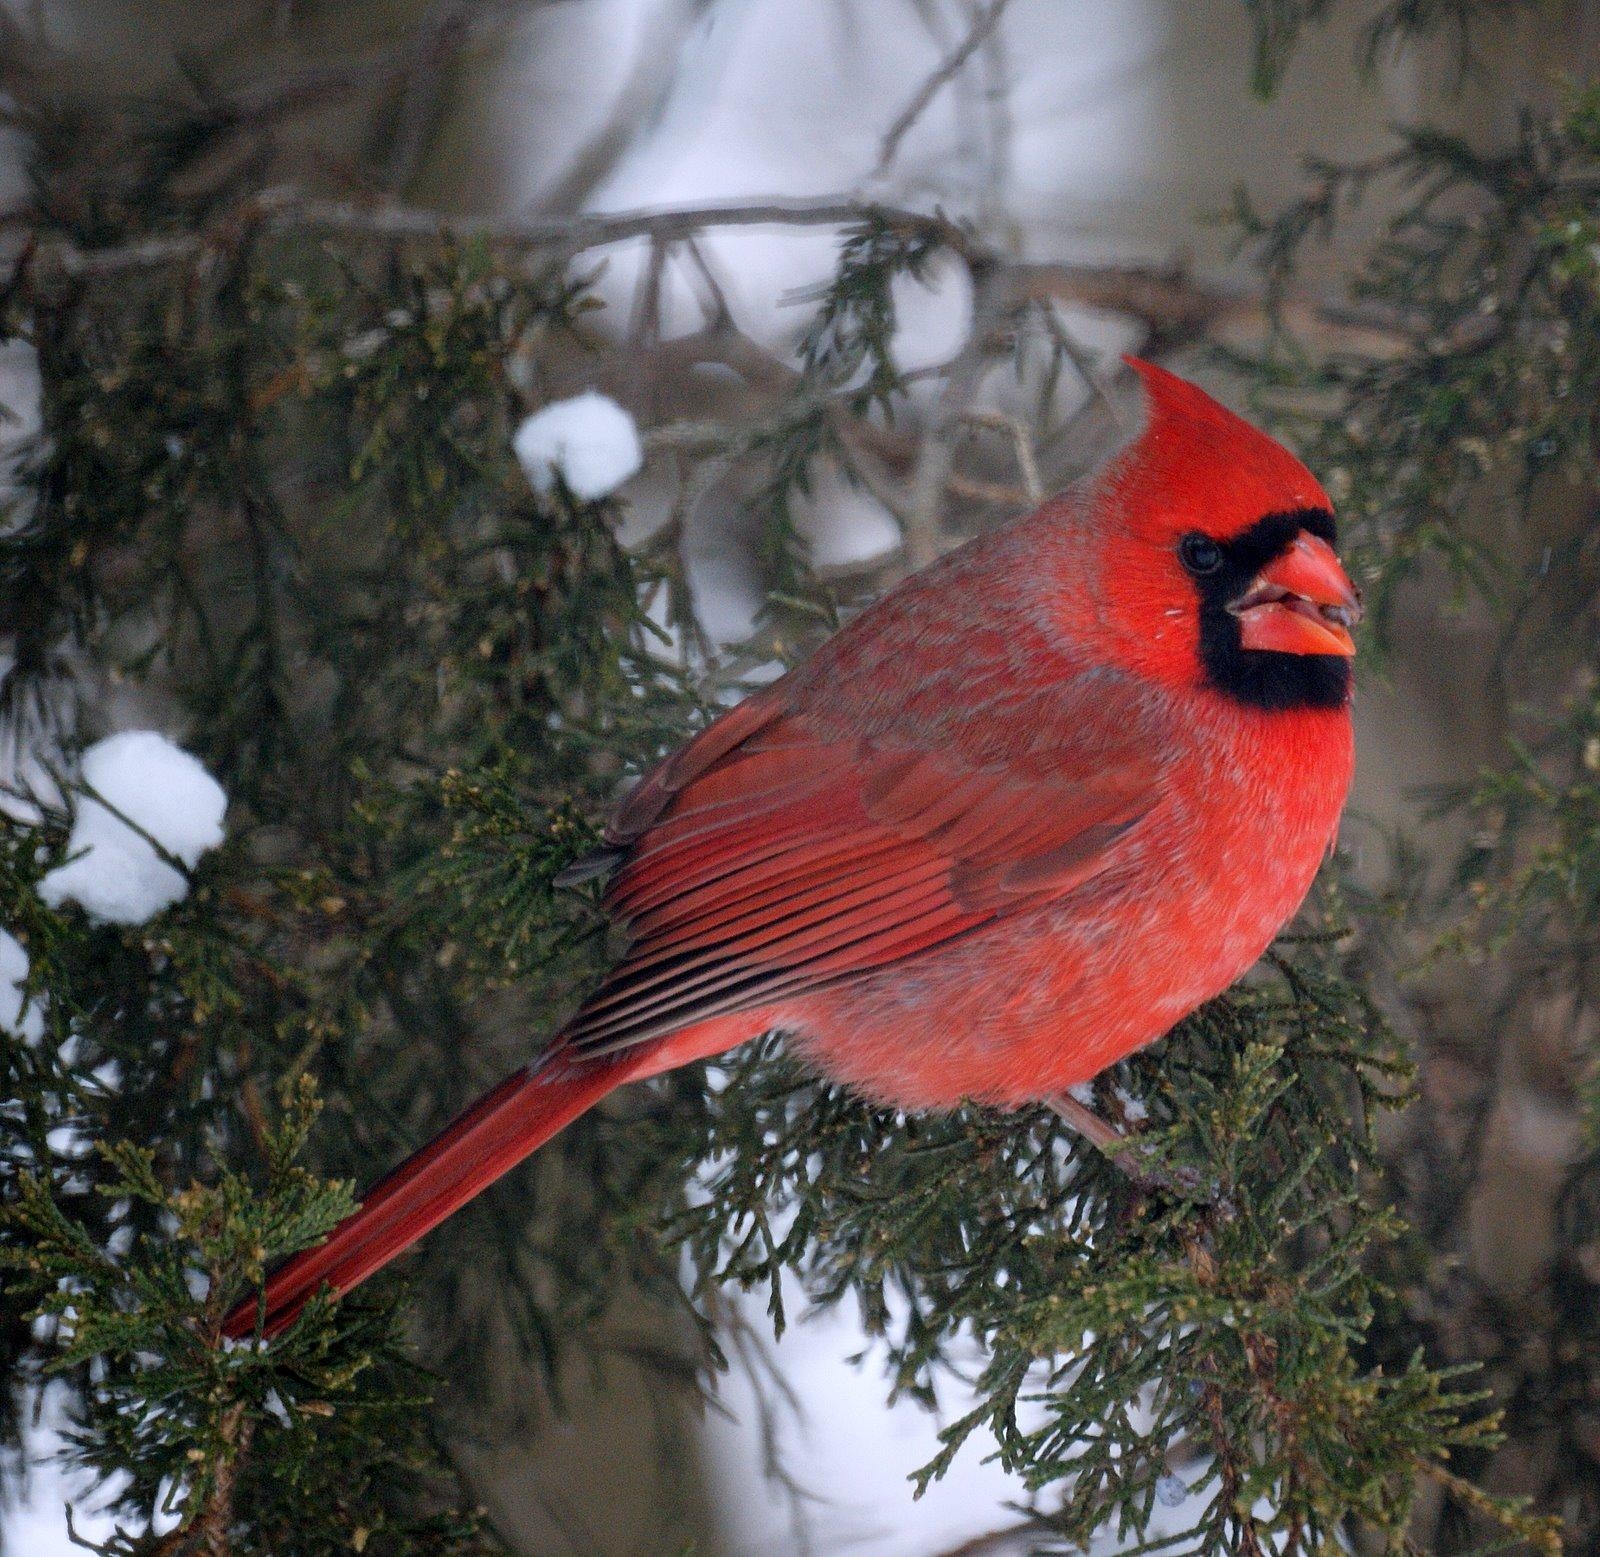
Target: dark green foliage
x,y
278,494
1123,1336
1278,24
1464,459
1489,275
846,362
305,1448
846,345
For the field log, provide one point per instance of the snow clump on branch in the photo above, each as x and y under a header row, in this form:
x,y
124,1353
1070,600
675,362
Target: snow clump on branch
x,y
124,874
590,442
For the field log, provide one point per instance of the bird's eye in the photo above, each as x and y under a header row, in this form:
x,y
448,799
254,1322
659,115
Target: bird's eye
x,y
1200,553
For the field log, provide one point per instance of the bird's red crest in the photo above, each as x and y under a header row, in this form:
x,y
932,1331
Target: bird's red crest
x,y
1196,464
1195,471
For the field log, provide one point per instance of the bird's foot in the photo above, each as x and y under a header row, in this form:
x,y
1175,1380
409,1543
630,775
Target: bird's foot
x,y
1133,1158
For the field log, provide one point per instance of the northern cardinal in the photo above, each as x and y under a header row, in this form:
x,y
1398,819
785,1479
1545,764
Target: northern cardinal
x,y
1012,823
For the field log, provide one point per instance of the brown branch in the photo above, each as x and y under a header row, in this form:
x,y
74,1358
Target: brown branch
x,y
442,32
724,343
995,1543
1178,309
1021,444
936,458
1175,307
211,1533
290,210
448,24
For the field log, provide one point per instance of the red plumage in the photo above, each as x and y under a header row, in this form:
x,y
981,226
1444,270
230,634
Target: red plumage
x,y
1013,822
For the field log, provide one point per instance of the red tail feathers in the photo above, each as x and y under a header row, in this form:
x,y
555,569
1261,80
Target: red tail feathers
x,y
490,1139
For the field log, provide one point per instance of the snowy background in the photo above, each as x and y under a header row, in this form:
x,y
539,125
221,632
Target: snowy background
x,y
1090,131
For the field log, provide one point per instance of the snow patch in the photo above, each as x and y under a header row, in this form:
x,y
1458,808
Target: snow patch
x,y
1133,1109
590,442
117,876
21,420
843,524
18,1014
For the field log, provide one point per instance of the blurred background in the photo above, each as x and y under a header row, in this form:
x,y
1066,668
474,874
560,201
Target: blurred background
x,y
1093,152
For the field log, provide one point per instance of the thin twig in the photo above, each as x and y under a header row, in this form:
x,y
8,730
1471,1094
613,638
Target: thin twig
x,y
440,34
1174,306
983,24
330,80
924,531
1072,349
715,301
1021,443
1129,1157
995,93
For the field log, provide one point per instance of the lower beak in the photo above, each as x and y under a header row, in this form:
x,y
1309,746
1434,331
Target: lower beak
x,y
1300,603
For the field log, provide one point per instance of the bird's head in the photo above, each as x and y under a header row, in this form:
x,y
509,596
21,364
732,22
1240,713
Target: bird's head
x,y
1216,558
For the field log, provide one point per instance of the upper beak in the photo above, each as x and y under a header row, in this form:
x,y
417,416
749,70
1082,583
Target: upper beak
x,y
1300,603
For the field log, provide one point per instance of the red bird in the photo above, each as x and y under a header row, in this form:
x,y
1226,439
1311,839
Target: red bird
x,y
1012,823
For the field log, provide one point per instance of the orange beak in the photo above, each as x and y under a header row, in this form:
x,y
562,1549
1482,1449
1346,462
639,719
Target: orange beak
x,y
1301,603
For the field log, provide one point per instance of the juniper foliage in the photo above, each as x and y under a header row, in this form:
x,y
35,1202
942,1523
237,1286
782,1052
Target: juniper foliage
x,y
276,494
1464,460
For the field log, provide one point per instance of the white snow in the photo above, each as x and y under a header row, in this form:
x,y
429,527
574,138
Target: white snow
x,y
18,1014
1133,1109
589,441
35,1521
21,418
843,523
849,1450
117,876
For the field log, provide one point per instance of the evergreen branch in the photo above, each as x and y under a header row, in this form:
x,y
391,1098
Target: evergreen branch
x,y
290,210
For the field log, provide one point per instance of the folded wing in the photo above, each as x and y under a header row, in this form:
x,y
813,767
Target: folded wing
x,y
775,855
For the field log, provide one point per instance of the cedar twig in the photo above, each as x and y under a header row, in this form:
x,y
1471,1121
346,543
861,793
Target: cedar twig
x,y
1126,1154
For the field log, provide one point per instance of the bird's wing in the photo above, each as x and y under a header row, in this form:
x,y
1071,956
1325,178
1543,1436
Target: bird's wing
x,y
778,853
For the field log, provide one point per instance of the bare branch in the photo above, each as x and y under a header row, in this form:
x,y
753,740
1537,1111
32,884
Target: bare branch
x,y
291,210
987,19
447,25
995,94
936,458
442,32
1021,443
1072,349
1175,307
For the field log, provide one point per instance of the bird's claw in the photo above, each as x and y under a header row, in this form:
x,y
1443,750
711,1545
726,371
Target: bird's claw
x,y
1133,1158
